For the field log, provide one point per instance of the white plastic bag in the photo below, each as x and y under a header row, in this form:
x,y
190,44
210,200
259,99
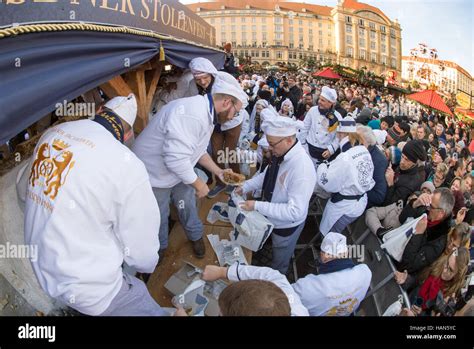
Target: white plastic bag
x,y
251,228
396,240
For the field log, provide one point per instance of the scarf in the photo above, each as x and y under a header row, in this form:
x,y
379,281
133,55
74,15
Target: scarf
x,y
112,123
336,265
271,176
430,288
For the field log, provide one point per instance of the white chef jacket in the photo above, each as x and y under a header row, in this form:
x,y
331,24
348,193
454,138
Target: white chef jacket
x,y
351,173
315,131
293,189
238,272
102,214
173,142
334,294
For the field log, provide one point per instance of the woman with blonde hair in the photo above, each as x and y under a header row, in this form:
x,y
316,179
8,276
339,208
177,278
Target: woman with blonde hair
x,y
446,275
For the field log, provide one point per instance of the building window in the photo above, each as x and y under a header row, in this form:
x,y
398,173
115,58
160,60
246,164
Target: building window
x,y
242,19
278,20
244,43
291,29
384,60
362,42
349,40
320,33
393,51
292,45
244,28
310,47
393,42
279,55
372,25
383,48
349,51
394,63
254,19
278,36
264,19
362,54
300,46
361,22
372,35
290,22
310,32
348,28
373,57
361,32
300,22
392,32
382,29
372,45
320,25
348,19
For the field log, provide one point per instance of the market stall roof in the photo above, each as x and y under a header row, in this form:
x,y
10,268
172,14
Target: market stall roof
x,y
465,112
431,99
46,58
327,73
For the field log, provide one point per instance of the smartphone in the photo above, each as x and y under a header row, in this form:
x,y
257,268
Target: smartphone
x,y
455,156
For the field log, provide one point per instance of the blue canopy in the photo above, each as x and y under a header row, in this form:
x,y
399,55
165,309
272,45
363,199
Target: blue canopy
x,y
40,70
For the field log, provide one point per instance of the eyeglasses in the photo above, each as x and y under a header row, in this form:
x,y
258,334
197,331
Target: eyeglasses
x,y
274,145
431,208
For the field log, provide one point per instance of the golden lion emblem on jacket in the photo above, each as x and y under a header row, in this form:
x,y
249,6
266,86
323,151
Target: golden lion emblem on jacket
x,y
51,167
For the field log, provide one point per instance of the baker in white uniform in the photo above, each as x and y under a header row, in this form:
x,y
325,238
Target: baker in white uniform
x,y
340,285
348,178
90,208
319,131
226,134
238,272
287,184
174,142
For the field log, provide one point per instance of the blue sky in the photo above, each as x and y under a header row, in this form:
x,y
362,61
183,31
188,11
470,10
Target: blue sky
x,y
447,25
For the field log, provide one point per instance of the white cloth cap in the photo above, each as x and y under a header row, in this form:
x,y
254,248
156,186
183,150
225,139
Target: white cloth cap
x,y
264,103
268,113
279,126
329,93
347,125
125,107
228,85
200,66
380,136
334,244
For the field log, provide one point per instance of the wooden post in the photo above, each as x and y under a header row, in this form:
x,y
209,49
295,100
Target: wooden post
x,y
142,83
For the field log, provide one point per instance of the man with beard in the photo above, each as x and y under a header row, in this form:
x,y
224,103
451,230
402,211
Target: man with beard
x,y
175,141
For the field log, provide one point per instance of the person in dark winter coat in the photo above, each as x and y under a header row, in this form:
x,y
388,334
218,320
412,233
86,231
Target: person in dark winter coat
x,y
376,195
295,92
410,174
430,237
